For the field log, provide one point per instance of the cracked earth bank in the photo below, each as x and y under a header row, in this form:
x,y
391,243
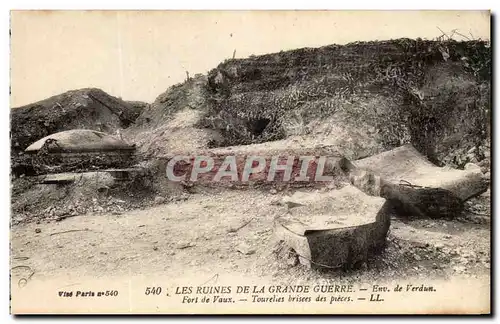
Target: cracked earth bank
x,y
217,235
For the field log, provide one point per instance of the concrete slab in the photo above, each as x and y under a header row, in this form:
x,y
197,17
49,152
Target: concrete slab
x,y
405,164
340,228
420,188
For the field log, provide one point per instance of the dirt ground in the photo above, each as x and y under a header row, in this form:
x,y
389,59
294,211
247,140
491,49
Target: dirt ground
x,y
203,234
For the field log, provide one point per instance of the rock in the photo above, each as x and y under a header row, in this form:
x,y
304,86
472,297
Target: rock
x,y
276,202
472,167
291,204
484,163
421,245
102,188
264,231
61,218
331,186
292,260
37,230
447,237
471,157
182,197
184,245
472,150
485,169
159,200
273,191
439,246
60,213
486,194
18,219
245,249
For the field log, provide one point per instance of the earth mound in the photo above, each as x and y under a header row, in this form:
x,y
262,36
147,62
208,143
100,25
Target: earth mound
x,y
77,109
432,94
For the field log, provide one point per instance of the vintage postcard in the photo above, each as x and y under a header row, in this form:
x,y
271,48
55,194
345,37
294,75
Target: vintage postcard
x,y
250,162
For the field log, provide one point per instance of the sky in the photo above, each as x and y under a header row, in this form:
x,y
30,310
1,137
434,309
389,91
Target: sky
x,y
137,55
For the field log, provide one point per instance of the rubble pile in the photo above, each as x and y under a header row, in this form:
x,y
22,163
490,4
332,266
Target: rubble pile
x,y
87,169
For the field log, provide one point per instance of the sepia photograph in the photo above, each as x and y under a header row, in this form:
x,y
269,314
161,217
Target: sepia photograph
x,y
250,162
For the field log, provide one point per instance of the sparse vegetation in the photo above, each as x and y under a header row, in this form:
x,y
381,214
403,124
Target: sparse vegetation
x,y
392,86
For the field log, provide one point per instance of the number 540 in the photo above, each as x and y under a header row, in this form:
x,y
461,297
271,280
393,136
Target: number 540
x,y
152,291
